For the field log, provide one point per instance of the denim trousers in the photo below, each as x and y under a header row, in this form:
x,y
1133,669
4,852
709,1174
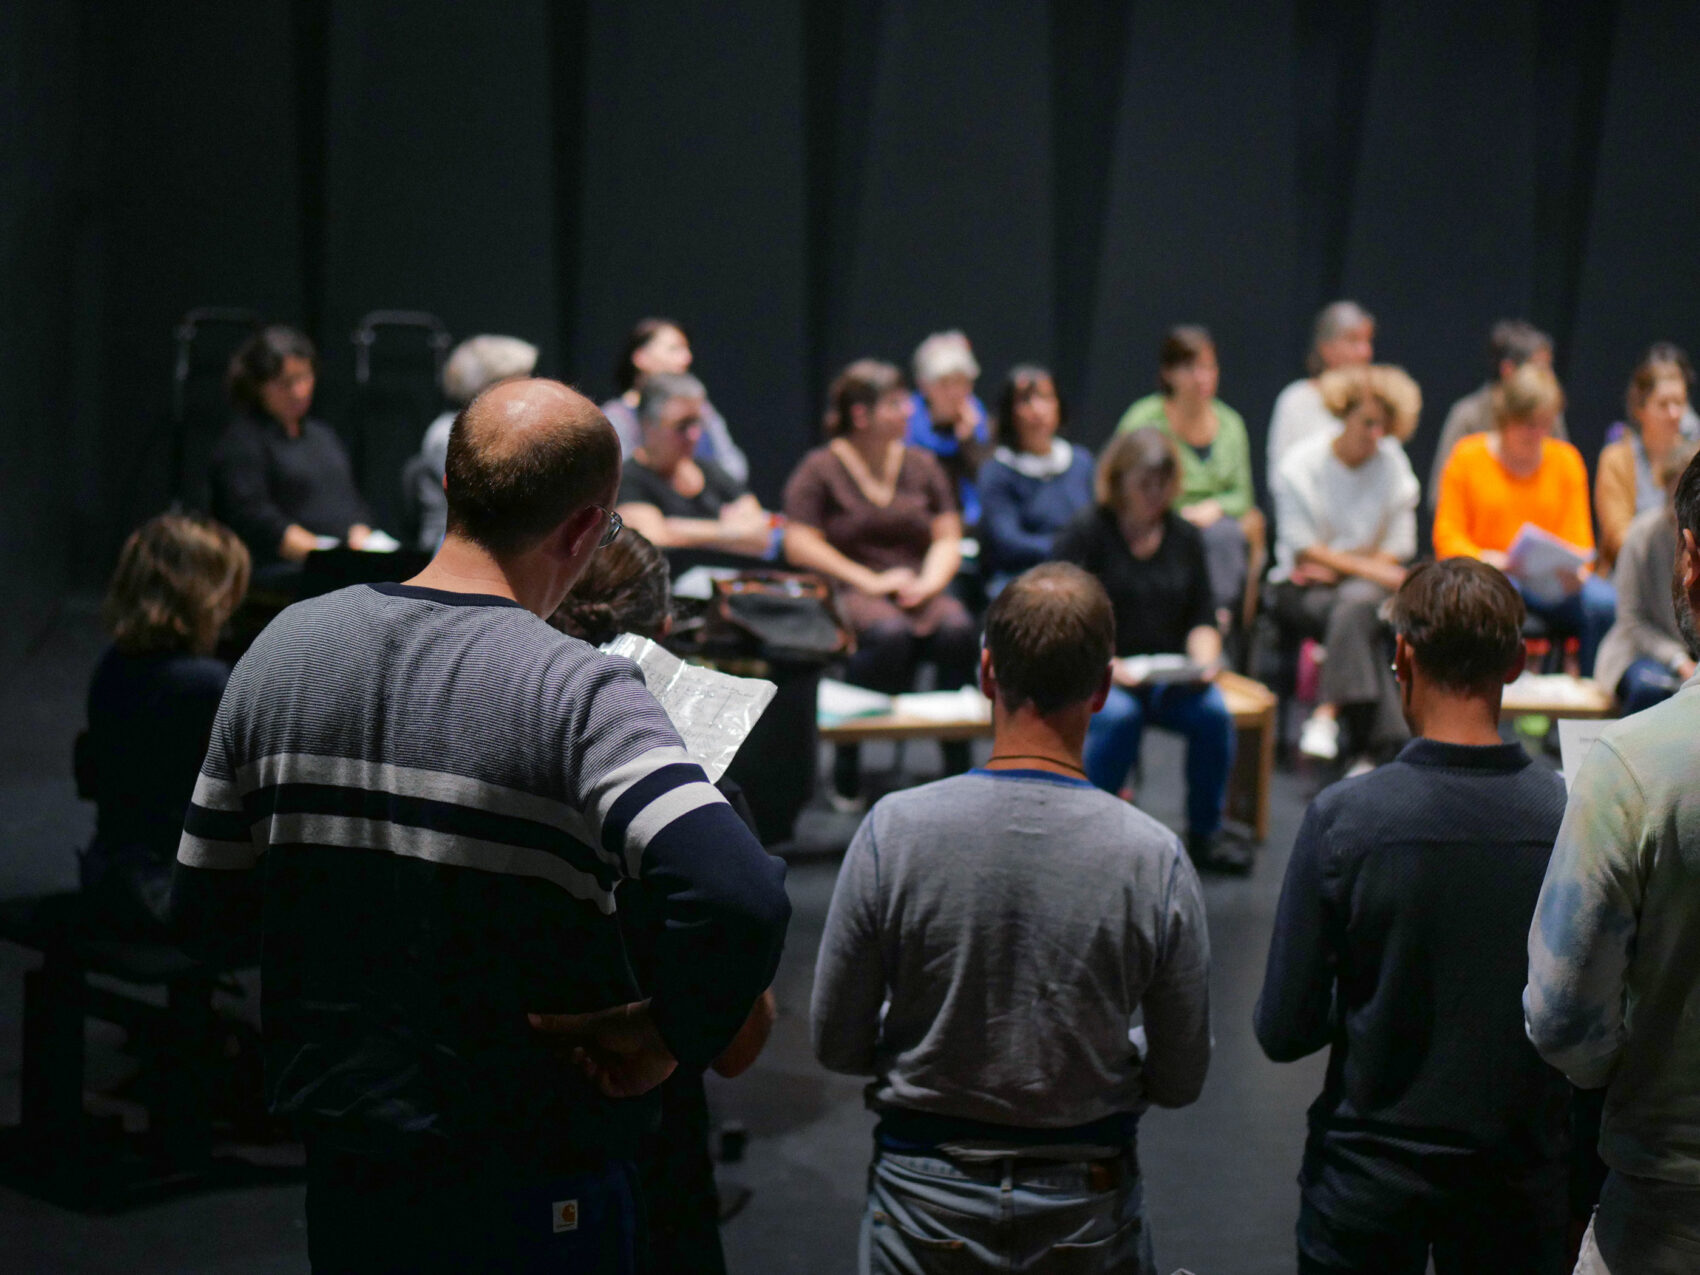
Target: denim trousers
x,y
1199,714
928,1215
1588,614
1642,1227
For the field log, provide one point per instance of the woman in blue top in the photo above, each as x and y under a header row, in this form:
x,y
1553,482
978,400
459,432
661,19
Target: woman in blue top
x,y
1034,483
151,705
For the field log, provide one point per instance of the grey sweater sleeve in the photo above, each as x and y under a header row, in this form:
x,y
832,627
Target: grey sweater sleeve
x,y
850,981
1177,1001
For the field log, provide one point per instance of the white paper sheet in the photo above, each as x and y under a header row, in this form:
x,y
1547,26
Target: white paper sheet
x,y
1160,668
1537,558
1575,737
713,712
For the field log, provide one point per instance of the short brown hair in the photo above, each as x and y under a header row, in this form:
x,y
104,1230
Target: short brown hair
x,y
507,496
1530,389
259,359
865,382
178,579
1051,634
625,589
1143,450
1183,345
1662,359
1463,619
1344,388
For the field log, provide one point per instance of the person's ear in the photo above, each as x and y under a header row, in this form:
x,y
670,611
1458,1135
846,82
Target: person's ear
x,y
1691,569
988,676
1404,659
580,532
1102,694
1519,662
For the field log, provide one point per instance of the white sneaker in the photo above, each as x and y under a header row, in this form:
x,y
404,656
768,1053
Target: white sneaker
x,y
1320,738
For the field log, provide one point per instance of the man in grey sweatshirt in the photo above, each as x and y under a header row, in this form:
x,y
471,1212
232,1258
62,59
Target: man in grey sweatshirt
x,y
992,940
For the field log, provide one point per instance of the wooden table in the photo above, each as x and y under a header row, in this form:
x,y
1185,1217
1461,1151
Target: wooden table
x,y
1251,703
1580,697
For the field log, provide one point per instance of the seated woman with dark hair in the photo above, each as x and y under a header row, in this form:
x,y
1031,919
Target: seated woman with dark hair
x,y
880,519
1035,482
1151,562
653,346
150,709
677,499
625,590
280,479
1215,453
1626,482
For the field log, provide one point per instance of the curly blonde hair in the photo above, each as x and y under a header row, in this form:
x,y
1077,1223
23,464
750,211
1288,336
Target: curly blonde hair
x,y
179,578
1344,388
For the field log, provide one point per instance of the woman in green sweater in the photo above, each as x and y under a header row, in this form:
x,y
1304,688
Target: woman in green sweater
x,y
1215,454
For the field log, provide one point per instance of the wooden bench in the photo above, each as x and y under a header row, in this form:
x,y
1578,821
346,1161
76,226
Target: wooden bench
x,y
1251,703
57,1151
1557,695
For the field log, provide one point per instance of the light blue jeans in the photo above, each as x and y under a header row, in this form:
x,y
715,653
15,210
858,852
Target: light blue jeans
x,y
931,1216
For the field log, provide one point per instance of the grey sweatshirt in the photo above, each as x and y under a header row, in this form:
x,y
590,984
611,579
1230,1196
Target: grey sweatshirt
x,y
1013,924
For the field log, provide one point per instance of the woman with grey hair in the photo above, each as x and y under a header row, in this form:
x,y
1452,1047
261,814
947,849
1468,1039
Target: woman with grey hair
x,y
1344,336
476,364
947,418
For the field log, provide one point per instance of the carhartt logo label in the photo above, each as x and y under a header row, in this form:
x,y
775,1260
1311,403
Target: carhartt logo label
x,y
566,1215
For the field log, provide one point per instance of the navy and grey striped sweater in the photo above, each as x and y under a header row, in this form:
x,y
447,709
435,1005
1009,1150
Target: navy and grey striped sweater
x,y
437,795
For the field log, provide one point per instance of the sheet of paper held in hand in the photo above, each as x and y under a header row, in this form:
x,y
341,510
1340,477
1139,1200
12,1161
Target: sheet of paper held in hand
x,y
713,712
1536,559
1155,669
1575,738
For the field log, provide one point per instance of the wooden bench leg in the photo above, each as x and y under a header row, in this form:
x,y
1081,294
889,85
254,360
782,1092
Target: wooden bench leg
x,y
182,1119
51,1118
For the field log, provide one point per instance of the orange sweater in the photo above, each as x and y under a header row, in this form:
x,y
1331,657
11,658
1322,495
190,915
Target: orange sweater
x,y
1483,507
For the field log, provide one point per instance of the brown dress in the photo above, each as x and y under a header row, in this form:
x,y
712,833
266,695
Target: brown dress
x,y
822,494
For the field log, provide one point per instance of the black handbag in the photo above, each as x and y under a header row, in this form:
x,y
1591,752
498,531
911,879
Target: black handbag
x,y
777,615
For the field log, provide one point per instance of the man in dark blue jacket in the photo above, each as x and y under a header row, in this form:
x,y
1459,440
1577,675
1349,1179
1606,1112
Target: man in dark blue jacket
x,y
1400,944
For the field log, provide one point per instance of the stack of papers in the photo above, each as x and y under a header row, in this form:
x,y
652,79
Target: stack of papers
x,y
1160,668
1537,560
837,702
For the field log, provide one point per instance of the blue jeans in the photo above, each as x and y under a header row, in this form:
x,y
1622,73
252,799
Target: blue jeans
x,y
931,1216
1199,714
1645,683
1587,614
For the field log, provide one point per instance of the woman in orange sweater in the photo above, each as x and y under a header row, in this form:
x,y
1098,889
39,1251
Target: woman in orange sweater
x,y
1517,474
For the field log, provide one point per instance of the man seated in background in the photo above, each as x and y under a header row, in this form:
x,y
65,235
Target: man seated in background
x,y
1013,920
1399,942
423,797
1614,957
1511,344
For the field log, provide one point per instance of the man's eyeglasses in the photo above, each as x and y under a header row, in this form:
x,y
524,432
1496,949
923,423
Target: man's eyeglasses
x,y
611,532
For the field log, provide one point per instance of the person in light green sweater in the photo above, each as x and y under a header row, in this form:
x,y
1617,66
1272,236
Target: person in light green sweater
x,y
1215,454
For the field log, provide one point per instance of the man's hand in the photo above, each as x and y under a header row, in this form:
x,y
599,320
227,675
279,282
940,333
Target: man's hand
x,y
618,1049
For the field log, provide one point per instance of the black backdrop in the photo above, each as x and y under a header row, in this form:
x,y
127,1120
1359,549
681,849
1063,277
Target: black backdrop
x,y
802,184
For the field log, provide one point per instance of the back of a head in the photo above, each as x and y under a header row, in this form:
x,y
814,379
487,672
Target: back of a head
x,y
480,361
1514,341
945,354
259,359
658,389
1464,621
524,456
624,589
178,579
1051,634
1343,388
863,382
1526,393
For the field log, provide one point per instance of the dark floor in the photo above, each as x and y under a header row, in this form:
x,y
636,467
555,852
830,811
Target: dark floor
x,y
1220,1175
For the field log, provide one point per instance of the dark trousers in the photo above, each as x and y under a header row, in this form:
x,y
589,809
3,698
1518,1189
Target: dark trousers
x,y
1510,1221
1357,676
887,655
433,1215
